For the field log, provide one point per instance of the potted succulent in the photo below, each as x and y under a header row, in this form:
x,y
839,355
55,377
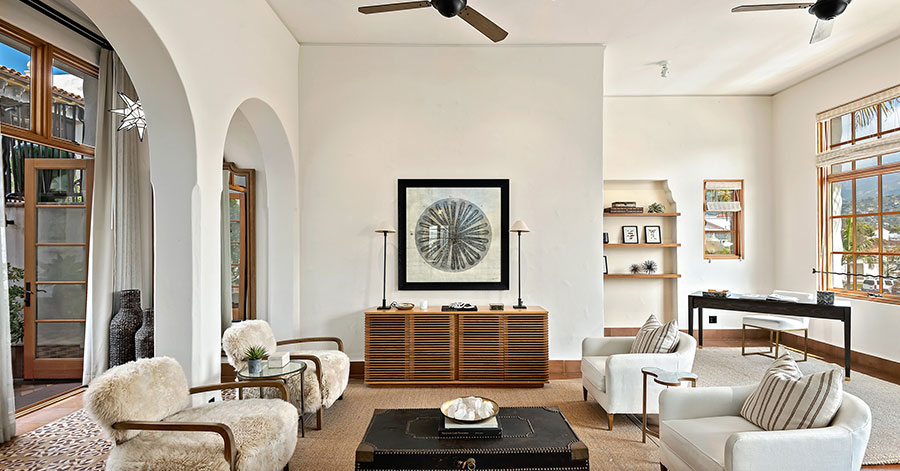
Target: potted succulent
x,y
255,356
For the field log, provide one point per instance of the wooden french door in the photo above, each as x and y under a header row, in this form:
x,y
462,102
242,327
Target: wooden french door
x,y
57,235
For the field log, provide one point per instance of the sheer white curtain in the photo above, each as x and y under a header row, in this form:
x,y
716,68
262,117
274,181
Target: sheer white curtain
x,y
120,223
7,396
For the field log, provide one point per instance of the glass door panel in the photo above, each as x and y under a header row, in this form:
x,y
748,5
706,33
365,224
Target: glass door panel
x,y
57,231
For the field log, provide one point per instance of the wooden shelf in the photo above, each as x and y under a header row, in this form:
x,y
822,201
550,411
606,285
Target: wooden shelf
x,y
665,215
642,245
629,275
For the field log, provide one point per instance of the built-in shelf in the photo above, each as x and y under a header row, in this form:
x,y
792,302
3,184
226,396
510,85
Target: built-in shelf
x,y
642,245
629,275
665,215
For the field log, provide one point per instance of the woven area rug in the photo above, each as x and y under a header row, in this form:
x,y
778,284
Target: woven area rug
x,y
74,442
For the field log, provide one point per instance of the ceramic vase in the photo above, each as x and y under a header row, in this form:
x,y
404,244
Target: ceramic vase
x,y
143,339
123,326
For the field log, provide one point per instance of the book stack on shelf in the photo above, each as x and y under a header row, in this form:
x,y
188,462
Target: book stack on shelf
x,y
624,207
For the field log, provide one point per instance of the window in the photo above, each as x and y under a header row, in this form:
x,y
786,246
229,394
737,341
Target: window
x,y
859,178
723,219
241,217
47,96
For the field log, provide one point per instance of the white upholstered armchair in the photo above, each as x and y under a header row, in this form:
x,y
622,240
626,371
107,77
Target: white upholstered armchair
x,y
612,376
326,376
144,407
702,429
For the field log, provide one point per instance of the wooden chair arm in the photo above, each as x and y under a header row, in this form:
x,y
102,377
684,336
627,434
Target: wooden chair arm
x,y
317,362
223,430
339,342
269,383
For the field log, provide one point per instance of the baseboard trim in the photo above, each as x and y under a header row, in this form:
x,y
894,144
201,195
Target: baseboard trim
x,y
871,365
708,334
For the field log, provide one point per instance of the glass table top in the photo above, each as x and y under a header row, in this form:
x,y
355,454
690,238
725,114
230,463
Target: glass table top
x,y
295,366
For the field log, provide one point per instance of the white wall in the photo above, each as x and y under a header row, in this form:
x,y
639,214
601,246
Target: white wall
x,y
795,111
372,115
685,140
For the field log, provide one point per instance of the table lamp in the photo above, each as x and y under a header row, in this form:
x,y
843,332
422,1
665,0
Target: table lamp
x,y
385,228
519,227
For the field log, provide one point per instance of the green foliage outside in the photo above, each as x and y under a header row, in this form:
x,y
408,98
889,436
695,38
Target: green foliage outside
x,y
16,304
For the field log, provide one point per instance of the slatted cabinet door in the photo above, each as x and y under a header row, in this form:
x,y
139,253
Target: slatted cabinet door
x,y
432,347
480,347
386,348
526,348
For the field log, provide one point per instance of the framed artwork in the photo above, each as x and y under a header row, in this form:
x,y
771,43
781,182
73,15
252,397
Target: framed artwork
x,y
605,266
630,235
453,234
652,235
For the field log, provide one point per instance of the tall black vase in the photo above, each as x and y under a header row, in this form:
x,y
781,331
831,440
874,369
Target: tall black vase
x,y
143,339
123,326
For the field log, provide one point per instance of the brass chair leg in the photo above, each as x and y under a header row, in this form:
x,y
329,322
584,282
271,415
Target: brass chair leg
x,y
743,339
610,417
805,344
777,335
770,342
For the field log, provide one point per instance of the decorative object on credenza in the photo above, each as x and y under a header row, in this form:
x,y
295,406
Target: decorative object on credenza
x,y
143,339
656,208
606,237
123,326
133,116
402,306
715,293
453,234
825,297
458,306
635,269
624,207
384,228
255,357
423,305
519,227
470,409
650,266
497,306
652,235
605,266
630,235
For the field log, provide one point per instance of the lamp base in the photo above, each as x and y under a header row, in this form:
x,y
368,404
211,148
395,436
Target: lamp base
x,y
384,306
520,305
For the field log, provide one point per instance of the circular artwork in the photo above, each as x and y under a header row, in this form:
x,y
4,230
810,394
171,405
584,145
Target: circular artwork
x,y
453,235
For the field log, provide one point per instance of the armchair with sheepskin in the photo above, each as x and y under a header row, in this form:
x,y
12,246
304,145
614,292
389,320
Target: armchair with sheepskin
x,y
326,376
144,407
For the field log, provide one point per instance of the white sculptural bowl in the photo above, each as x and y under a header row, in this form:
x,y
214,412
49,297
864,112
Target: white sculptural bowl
x,y
445,409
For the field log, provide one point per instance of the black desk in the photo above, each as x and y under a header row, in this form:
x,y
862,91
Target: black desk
x,y
840,311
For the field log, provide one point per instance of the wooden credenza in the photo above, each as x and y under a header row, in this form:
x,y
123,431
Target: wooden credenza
x,y
416,347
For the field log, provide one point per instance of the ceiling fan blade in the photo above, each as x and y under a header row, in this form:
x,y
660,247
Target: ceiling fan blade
x,y
772,6
486,26
822,31
393,7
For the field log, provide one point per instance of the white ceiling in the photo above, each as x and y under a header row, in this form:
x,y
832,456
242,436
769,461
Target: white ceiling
x,y
712,51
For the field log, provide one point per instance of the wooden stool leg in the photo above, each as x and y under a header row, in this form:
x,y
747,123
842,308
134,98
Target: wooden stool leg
x,y
610,418
319,419
770,341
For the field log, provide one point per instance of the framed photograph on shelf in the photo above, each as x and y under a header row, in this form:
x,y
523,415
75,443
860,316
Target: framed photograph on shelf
x,y
453,234
606,237
652,235
605,266
630,235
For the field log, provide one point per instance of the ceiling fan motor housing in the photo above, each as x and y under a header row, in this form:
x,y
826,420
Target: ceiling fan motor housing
x,y
449,8
828,9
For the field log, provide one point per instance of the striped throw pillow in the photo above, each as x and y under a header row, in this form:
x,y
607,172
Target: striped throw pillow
x,y
654,337
787,400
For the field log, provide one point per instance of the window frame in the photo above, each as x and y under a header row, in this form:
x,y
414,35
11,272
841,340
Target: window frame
x,y
737,223
42,55
247,268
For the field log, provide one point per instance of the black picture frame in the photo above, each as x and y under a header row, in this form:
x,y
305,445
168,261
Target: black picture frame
x,y
403,185
606,237
630,230
648,239
605,266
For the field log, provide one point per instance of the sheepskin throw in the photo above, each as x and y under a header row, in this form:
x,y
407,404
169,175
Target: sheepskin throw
x,y
654,337
147,389
787,400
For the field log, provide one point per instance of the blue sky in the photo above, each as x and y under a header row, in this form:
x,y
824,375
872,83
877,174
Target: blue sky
x,y
13,59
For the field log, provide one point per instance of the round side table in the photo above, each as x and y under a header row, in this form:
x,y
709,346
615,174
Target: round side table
x,y
292,368
667,379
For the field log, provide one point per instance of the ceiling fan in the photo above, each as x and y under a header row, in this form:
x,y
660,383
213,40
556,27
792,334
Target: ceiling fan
x,y
825,10
448,8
